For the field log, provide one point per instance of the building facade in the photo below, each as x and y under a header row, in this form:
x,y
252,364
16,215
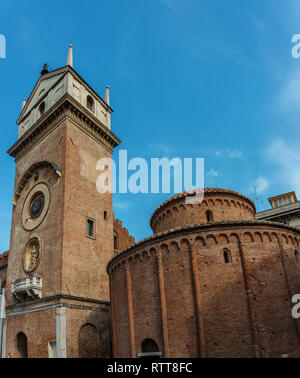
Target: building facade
x,y
62,229
285,209
211,282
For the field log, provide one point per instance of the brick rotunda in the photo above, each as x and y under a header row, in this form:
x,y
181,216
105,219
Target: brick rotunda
x,y
211,282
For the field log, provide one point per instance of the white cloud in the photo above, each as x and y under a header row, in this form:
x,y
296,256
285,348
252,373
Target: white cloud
x,y
160,148
212,172
288,98
261,184
121,204
235,154
285,158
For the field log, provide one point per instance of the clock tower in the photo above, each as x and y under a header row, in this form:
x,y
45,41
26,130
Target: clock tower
x,y
62,227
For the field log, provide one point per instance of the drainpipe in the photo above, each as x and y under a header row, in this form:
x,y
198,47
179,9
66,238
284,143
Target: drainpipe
x,y
2,322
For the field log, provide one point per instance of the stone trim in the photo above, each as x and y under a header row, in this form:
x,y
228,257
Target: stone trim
x,y
104,304
65,108
58,305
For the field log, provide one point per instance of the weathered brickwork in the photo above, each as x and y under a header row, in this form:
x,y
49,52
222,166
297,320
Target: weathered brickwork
x,y
122,239
218,289
3,268
218,205
61,153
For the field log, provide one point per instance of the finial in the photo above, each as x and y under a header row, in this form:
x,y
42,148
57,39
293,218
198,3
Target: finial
x,y
45,69
70,56
23,103
107,95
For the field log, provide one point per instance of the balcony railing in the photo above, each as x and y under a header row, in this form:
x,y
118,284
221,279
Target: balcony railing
x,y
27,287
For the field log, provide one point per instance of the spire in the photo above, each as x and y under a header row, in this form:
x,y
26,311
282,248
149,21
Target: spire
x,y
23,103
45,69
107,95
108,121
70,56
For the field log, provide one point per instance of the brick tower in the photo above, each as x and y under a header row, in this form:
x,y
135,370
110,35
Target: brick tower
x,y
62,227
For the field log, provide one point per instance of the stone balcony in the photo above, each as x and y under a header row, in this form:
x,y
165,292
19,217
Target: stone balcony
x,y
27,287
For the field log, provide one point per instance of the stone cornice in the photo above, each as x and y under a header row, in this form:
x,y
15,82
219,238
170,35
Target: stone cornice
x,y
66,107
194,228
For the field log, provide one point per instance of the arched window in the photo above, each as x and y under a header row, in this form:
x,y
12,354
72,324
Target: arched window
x,y
227,256
115,242
90,103
89,341
209,216
296,256
149,349
42,108
22,345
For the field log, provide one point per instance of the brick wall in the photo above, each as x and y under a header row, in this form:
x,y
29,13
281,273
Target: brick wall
x,y
3,268
178,289
122,239
222,204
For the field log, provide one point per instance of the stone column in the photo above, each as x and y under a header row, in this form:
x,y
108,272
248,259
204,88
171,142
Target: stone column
x,y
61,332
2,322
163,303
130,310
112,311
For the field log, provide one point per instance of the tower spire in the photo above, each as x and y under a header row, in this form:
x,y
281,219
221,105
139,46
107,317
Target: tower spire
x,y
70,56
23,103
107,95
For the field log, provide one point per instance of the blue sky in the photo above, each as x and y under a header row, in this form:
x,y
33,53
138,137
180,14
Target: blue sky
x,y
188,78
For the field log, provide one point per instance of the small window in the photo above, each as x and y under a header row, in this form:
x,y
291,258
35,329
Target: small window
x,y
42,108
105,215
296,256
115,242
149,349
209,216
90,103
22,345
90,228
227,257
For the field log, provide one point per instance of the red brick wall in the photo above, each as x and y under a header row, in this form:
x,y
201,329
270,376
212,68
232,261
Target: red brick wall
x,y
224,205
123,239
84,260
51,148
3,268
244,307
33,326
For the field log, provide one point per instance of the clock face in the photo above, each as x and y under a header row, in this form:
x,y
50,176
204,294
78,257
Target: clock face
x,y
35,206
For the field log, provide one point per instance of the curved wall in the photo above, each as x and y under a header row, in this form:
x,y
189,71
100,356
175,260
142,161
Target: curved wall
x,y
218,205
178,290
